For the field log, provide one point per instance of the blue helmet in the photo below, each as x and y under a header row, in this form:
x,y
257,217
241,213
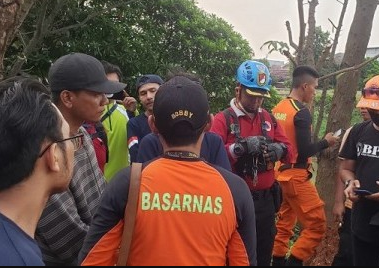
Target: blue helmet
x,y
254,75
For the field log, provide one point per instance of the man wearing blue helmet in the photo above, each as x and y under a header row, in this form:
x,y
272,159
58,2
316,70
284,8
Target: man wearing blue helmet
x,y
254,142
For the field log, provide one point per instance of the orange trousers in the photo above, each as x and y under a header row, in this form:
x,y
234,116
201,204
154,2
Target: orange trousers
x,y
301,203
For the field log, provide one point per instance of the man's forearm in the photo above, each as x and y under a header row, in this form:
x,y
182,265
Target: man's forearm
x,y
347,176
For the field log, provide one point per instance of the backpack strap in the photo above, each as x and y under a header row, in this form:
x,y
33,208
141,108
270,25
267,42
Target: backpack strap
x,y
234,127
102,134
130,214
109,112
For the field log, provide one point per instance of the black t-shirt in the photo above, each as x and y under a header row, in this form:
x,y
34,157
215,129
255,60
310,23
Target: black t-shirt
x,y
305,147
362,145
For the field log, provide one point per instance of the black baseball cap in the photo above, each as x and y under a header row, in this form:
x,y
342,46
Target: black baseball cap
x,y
77,71
180,99
148,78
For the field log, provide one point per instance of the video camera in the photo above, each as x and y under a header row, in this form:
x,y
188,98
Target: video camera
x,y
253,145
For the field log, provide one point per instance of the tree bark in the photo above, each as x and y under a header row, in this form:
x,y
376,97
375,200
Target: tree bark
x,y
303,26
12,15
309,58
345,97
330,62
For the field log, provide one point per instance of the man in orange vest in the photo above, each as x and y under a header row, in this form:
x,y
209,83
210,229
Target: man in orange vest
x,y
300,198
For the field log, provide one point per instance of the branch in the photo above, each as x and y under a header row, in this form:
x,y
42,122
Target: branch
x,y
50,20
325,54
290,57
289,30
302,30
339,28
334,26
89,17
350,69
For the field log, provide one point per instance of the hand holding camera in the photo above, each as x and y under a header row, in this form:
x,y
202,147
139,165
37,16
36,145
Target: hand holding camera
x,y
252,145
274,152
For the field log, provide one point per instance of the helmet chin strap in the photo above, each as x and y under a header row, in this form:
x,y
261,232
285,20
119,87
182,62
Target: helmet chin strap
x,y
240,106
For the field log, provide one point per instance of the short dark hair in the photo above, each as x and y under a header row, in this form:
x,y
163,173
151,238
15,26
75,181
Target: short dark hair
x,y
301,75
182,135
112,68
180,71
27,119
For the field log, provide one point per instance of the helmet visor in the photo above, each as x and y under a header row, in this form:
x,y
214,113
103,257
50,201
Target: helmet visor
x,y
258,93
370,99
370,93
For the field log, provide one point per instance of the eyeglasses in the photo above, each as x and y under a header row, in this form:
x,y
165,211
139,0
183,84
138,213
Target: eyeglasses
x,y
76,140
370,93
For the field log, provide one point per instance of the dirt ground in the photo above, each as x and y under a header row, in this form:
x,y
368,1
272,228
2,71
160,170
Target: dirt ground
x,y
326,251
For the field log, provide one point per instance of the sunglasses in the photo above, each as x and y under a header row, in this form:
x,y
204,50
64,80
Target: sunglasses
x,y
370,93
77,141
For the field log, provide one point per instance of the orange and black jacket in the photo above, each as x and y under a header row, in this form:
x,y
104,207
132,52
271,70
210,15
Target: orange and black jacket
x,y
189,213
296,120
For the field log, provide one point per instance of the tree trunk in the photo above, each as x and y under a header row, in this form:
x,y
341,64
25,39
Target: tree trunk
x,y
12,15
344,99
309,57
327,83
321,110
340,115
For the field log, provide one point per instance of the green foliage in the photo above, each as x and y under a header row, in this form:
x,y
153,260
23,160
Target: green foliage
x,y
322,40
278,46
356,117
269,104
369,71
146,37
327,107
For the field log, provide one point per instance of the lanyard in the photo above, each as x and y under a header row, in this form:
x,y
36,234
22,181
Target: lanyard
x,y
181,155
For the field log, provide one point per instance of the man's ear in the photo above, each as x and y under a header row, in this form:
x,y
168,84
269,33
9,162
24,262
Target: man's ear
x,y
210,123
304,86
237,90
66,98
52,158
151,121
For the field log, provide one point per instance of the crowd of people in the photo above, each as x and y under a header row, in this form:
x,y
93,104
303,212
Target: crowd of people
x,y
223,189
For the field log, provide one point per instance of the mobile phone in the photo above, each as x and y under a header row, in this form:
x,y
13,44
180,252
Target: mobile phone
x,y
338,133
362,192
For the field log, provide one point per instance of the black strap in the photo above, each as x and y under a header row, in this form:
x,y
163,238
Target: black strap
x,y
102,134
109,112
235,127
297,165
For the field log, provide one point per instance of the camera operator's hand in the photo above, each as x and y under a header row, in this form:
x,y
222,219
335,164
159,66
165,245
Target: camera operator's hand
x,y
332,140
251,145
275,152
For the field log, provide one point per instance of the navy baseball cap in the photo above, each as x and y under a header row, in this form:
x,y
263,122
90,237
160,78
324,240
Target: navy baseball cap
x,y
180,99
77,71
148,78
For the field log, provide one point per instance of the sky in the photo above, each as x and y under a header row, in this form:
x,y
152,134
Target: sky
x,y
259,21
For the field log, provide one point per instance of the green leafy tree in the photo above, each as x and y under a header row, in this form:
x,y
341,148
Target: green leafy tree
x,y
143,37
269,104
369,71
